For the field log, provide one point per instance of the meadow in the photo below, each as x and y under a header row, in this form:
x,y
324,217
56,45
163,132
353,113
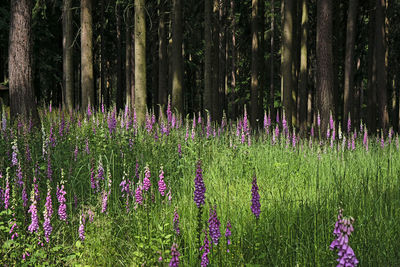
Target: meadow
x,y
98,188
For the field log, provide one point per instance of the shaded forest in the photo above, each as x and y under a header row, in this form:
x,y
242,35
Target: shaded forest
x,y
297,58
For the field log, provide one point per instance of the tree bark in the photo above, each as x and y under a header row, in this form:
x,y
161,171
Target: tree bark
x,y
140,60
162,58
324,62
120,89
254,63
68,67
287,59
216,111
233,67
381,79
128,55
87,54
177,58
348,63
208,96
302,97
371,96
222,77
272,84
22,95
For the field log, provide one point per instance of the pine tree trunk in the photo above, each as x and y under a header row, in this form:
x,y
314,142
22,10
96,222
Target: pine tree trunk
x,y
272,84
216,111
381,79
140,60
371,95
302,98
324,62
233,66
348,63
103,93
120,89
222,56
68,67
254,63
162,58
208,94
22,95
87,54
287,59
128,54
177,59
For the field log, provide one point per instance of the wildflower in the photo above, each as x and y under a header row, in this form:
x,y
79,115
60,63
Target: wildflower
x,y
139,194
49,170
318,120
342,231
348,125
200,188
161,184
24,196
176,221
48,212
146,180
81,229
34,226
331,124
180,150
228,235
175,256
255,198
206,250
104,201
62,209
14,159
208,128
213,225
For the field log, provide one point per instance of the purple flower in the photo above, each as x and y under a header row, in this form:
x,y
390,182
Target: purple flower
x,y
62,209
331,124
180,150
342,231
213,225
14,159
139,194
146,180
318,120
206,250
199,187
255,198
208,128
228,235
175,256
348,124
34,226
112,122
24,195
169,112
104,201
161,184
176,222
48,212
81,229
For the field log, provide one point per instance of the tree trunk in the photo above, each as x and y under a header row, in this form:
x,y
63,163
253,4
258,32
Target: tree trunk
x,y
22,95
208,94
87,54
371,96
222,56
381,79
324,61
132,72
128,54
68,67
162,58
272,85
140,60
177,59
348,63
254,63
103,94
287,59
120,90
302,98
216,111
233,70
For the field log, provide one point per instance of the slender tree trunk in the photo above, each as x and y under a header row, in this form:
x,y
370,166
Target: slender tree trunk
x,y
87,54
272,85
222,55
103,94
128,54
254,63
216,111
162,58
120,90
208,94
262,62
371,96
324,61
233,70
68,67
140,60
22,95
381,79
302,98
132,72
177,58
349,59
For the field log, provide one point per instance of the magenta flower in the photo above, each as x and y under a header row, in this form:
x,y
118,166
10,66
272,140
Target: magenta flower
x,y
146,180
213,225
62,209
175,256
206,250
139,194
176,221
34,226
48,212
199,187
161,184
255,198
81,229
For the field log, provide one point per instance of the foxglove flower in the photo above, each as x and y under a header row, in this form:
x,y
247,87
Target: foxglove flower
x,y
175,256
104,201
206,250
81,229
342,231
34,226
62,209
139,194
199,187
213,226
255,198
146,180
176,222
24,195
48,212
14,159
228,235
161,184
7,192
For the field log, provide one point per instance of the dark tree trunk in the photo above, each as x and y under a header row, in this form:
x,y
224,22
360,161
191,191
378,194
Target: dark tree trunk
x,y
233,66
22,96
371,95
128,55
162,57
222,55
216,111
348,63
208,90
254,63
68,67
302,97
324,61
103,93
120,90
272,84
177,58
